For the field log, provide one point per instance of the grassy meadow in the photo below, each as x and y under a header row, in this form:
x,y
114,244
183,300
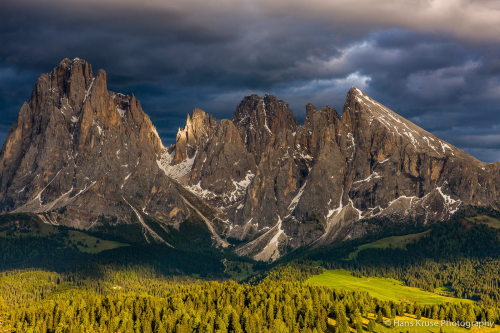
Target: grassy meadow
x,y
381,288
395,242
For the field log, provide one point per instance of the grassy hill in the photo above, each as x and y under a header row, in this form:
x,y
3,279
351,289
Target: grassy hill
x,y
382,288
138,299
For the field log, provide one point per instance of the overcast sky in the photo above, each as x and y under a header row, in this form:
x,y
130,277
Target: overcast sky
x,y
436,62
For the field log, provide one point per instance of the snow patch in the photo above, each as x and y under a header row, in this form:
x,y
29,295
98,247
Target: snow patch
x,y
201,192
374,175
178,170
445,146
85,189
297,197
125,180
265,117
402,197
120,111
87,94
451,204
336,210
352,145
360,213
241,186
271,251
146,227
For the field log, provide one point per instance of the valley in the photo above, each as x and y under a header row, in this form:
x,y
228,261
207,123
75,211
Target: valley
x,y
259,223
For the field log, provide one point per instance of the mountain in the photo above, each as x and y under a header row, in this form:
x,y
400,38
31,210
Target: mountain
x,y
82,156
260,184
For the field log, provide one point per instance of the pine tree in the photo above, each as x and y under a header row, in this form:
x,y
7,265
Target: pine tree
x,y
279,326
342,326
357,321
471,315
418,313
371,325
380,318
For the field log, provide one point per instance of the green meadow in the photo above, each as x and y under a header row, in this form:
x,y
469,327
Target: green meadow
x,y
488,220
79,240
381,288
395,242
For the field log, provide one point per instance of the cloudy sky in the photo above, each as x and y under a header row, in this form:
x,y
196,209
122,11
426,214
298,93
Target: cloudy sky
x,y
436,62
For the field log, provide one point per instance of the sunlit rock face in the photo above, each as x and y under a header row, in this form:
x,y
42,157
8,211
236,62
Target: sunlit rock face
x,y
261,183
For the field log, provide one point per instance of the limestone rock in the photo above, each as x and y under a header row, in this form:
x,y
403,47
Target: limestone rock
x,y
85,157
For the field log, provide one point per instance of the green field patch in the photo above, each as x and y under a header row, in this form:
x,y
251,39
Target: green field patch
x,y
381,288
394,242
75,239
485,219
38,229
90,244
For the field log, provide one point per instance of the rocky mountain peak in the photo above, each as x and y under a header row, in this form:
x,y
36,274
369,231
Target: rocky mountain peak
x,y
266,114
251,112
73,70
199,127
70,79
264,122
73,144
367,117
355,106
83,156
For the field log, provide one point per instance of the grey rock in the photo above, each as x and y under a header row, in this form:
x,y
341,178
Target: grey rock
x,y
82,156
85,157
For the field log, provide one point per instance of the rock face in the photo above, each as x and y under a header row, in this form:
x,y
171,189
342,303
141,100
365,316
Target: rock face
x,y
83,156
86,157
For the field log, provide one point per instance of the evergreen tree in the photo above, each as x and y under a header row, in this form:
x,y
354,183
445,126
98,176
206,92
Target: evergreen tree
x,y
342,325
371,325
380,318
418,313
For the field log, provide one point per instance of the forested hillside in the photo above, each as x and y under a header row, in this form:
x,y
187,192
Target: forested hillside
x,y
62,280
139,300
461,258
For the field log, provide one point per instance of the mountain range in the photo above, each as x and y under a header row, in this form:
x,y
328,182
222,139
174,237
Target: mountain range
x,y
260,185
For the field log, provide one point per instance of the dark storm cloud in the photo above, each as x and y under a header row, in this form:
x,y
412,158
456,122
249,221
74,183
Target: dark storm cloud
x,y
178,55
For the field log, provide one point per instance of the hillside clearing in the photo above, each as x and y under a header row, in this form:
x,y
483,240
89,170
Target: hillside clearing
x,y
381,288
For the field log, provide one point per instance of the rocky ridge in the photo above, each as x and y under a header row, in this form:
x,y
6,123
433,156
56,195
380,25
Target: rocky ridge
x,y
261,183
82,156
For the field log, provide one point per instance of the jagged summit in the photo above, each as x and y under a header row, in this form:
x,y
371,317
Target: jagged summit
x,y
261,184
199,127
83,156
371,162
268,113
363,112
